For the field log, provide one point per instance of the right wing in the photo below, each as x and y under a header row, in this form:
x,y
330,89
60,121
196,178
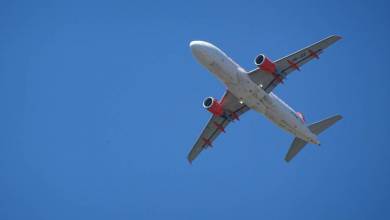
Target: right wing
x,y
289,63
217,124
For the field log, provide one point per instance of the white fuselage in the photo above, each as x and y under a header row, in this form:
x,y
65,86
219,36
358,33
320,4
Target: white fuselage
x,y
249,93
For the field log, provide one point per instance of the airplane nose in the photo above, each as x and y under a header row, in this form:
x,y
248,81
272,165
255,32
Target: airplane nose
x,y
193,43
196,46
197,49
203,51
200,49
197,43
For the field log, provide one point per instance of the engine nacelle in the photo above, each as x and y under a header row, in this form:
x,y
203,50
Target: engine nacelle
x,y
212,105
265,64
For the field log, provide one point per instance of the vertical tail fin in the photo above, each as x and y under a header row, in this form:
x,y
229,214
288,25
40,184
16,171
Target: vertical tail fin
x,y
318,127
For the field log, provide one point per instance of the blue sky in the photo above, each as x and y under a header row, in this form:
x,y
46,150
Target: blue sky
x,y
101,102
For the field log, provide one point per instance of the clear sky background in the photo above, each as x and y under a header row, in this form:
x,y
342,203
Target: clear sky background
x,y
101,102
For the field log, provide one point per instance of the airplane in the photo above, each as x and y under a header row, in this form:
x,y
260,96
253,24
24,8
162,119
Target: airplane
x,y
253,90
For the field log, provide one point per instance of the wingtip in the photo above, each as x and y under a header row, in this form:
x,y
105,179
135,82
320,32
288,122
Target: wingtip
x,y
334,37
337,37
339,117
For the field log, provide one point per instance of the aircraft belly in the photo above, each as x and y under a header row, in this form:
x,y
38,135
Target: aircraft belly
x,y
257,99
274,112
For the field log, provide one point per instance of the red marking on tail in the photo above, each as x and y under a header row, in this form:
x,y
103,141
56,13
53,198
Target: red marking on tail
x,y
301,116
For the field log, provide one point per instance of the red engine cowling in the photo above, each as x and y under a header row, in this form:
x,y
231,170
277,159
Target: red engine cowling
x,y
212,105
265,64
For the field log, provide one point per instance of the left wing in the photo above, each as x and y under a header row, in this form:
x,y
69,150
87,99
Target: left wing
x,y
217,124
289,63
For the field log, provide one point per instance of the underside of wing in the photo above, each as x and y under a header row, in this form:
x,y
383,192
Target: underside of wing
x,y
289,63
293,61
217,124
214,127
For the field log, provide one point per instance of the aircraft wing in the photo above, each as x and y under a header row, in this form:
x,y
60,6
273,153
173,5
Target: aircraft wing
x,y
217,124
289,63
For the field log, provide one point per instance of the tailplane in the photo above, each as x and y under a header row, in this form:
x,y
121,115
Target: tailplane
x,y
318,127
296,146
321,126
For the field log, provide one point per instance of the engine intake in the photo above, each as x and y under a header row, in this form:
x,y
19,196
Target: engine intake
x,y
212,105
265,64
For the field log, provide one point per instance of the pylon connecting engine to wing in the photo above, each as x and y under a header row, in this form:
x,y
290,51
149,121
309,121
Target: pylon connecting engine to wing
x,y
265,64
212,105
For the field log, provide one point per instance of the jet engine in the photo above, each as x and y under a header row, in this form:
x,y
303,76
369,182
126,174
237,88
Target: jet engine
x,y
212,105
265,64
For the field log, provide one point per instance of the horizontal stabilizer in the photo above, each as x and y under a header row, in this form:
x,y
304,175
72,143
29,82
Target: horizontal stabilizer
x,y
320,126
316,128
296,146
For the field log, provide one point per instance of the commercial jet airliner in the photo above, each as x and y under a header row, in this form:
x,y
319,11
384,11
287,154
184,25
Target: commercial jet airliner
x,y
253,90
